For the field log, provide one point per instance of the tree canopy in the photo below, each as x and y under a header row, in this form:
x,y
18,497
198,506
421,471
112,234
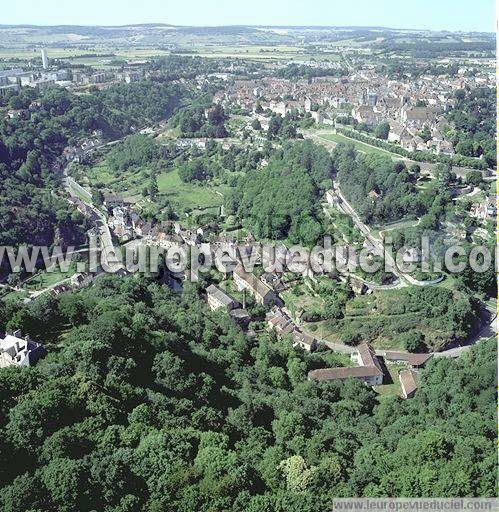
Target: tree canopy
x,y
154,402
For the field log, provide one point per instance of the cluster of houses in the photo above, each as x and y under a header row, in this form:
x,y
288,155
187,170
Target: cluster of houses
x,y
247,282
484,210
279,321
78,280
11,80
370,98
218,298
370,372
80,152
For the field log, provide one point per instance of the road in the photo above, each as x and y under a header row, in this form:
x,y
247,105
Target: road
x,y
377,245
486,332
110,258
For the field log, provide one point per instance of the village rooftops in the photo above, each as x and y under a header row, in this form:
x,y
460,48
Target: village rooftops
x,y
19,351
240,315
369,369
367,356
113,199
304,340
284,325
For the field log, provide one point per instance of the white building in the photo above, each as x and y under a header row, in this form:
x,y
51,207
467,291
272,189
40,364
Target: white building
x,y
45,59
16,350
218,298
369,371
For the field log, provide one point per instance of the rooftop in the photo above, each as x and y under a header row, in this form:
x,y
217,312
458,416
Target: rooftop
x,y
412,359
258,286
408,382
220,295
344,373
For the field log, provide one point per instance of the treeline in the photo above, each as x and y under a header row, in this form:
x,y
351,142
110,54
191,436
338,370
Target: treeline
x,y
418,156
282,200
401,69
430,49
176,67
153,402
303,71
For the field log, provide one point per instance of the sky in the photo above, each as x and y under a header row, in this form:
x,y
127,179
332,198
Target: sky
x,y
463,15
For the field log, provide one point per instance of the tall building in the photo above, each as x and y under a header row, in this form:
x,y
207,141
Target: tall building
x,y
45,59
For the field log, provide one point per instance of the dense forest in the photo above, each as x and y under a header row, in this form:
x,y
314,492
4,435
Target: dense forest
x,y
201,119
153,402
436,48
282,200
134,151
31,143
379,190
474,120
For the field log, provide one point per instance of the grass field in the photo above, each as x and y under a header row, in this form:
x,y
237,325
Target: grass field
x,y
100,173
360,146
391,383
46,279
302,300
379,231
189,195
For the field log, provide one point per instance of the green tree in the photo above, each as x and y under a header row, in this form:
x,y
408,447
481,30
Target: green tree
x,y
382,130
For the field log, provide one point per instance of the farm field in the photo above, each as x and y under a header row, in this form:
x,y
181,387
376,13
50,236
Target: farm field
x,y
99,57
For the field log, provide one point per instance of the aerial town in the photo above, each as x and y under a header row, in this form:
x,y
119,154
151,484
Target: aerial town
x,y
256,383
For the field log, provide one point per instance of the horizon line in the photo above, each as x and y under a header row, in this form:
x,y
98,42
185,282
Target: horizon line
x,y
236,25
